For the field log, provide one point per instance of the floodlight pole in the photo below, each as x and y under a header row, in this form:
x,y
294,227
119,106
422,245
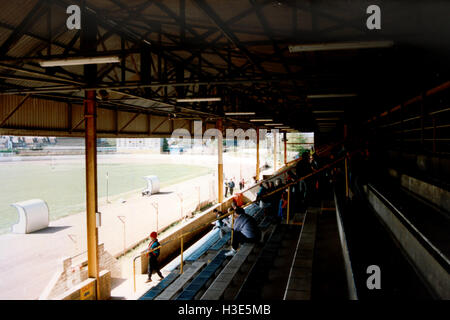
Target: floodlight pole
x,y
107,187
180,195
122,219
156,206
198,191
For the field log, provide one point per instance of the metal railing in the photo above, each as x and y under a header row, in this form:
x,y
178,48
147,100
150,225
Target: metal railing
x,y
419,124
281,188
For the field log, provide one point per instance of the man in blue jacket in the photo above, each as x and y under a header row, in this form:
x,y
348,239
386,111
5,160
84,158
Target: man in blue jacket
x,y
245,230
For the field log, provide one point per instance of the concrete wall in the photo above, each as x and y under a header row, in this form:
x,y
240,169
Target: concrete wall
x,y
71,275
435,195
435,166
432,271
351,286
86,290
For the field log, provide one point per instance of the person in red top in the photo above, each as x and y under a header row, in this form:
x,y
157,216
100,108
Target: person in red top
x,y
153,257
282,206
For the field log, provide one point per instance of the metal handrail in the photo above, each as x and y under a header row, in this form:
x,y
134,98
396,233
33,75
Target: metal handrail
x,y
289,164
287,185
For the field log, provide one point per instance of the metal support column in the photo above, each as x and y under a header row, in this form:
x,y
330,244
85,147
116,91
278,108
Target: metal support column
x,y
402,126
88,43
434,134
219,125
91,187
181,254
288,209
347,190
285,147
275,136
257,154
422,120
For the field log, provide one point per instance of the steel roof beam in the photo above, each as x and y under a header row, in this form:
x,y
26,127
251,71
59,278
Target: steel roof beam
x,y
210,13
26,23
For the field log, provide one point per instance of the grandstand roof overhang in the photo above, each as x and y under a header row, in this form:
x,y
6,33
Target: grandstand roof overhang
x,y
236,50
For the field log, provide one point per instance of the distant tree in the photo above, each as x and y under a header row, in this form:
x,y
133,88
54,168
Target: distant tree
x,y
297,147
165,146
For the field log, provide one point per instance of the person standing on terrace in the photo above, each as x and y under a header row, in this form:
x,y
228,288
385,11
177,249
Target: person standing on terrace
x,y
153,257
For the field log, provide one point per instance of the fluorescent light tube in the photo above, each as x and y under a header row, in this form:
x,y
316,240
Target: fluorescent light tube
x,y
273,124
328,111
331,95
78,61
239,113
198,99
260,120
340,46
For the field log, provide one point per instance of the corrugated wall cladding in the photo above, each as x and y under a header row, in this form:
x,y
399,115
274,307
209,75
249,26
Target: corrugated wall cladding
x,y
139,124
106,120
77,116
46,117
34,113
160,124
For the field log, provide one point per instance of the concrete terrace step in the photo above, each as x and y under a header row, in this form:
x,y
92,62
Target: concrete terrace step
x,y
201,250
161,286
183,279
223,281
299,283
228,274
257,281
297,218
219,244
194,289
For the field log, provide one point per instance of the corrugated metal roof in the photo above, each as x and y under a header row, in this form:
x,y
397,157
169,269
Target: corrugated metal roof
x,y
249,40
14,12
26,46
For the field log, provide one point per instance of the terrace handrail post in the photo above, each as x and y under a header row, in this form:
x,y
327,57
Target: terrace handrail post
x,y
288,205
347,190
232,228
181,254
